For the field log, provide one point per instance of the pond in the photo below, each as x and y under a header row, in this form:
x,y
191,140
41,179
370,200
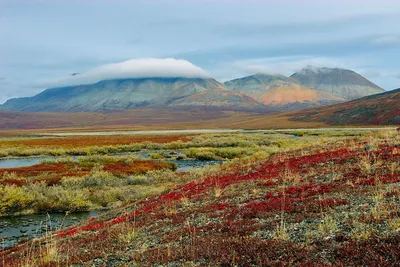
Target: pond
x,y
187,165
19,228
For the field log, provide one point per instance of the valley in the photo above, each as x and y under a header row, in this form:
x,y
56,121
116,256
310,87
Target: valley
x,y
199,133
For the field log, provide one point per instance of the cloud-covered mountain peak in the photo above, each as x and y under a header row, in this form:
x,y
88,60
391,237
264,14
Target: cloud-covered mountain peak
x,y
134,68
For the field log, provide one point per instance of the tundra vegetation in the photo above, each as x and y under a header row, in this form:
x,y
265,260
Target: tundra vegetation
x,y
101,178
314,197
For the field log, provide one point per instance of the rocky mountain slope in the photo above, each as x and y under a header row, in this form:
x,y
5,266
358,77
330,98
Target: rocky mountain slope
x,y
344,83
218,98
295,97
257,84
281,92
132,93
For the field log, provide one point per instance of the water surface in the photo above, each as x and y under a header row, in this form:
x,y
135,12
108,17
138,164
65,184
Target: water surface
x,y
15,229
21,162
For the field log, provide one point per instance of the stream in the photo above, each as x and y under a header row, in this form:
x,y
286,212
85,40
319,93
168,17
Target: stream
x,y
182,165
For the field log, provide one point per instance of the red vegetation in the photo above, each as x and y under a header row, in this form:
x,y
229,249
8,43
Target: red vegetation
x,y
100,140
250,204
268,171
52,173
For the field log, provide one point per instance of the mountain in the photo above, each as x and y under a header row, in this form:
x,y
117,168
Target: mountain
x,y
281,92
344,83
132,93
380,109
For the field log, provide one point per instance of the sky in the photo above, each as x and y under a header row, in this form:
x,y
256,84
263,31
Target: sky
x,y
43,42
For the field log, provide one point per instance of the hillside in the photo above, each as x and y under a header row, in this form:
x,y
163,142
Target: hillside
x,y
123,94
157,118
343,83
380,109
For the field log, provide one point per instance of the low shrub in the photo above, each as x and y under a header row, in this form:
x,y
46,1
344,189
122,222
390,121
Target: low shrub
x,y
14,198
200,154
156,156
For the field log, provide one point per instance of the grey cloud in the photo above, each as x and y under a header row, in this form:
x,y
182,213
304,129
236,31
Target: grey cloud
x,y
371,73
322,26
284,65
338,48
387,40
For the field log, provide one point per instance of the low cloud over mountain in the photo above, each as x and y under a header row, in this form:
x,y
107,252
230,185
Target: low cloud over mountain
x,y
134,68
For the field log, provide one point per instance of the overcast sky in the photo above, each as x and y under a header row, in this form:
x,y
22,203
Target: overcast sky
x,y
42,41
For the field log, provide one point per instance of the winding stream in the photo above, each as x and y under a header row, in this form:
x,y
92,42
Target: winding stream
x,y
19,228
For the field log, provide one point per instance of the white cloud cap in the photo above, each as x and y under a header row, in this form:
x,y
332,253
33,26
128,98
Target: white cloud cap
x,y
134,68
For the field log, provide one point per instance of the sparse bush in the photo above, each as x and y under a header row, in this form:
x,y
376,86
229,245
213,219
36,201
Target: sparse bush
x,y
138,180
57,198
328,226
362,231
156,156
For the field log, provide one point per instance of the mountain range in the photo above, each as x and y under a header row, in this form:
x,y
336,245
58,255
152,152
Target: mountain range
x,y
134,93
308,88
380,109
